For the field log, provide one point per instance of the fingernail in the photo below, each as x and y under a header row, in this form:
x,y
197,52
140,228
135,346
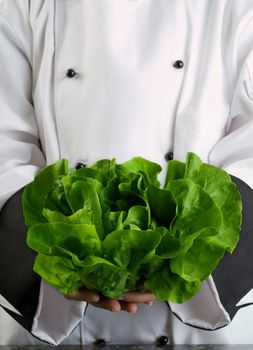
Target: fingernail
x,y
149,303
95,299
113,310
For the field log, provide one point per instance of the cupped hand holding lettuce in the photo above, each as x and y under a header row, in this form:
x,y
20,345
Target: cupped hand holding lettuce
x,y
112,228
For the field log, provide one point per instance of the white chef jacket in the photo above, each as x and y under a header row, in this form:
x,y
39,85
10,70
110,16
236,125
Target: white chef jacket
x,y
126,99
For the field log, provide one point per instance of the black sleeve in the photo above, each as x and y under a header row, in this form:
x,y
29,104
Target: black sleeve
x,y
19,285
233,276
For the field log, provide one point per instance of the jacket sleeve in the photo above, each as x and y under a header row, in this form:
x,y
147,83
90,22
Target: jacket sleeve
x,y
20,153
20,158
33,303
231,285
233,277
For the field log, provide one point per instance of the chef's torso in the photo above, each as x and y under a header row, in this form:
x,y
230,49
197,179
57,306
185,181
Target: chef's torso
x,y
127,97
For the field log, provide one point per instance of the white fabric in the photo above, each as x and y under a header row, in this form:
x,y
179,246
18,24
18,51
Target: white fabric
x,y
247,299
55,311
127,99
192,312
6,304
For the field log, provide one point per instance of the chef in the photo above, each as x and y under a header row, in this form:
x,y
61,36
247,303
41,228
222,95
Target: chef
x,y
91,79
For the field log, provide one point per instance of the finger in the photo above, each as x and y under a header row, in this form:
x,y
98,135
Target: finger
x,y
84,295
129,307
138,297
107,304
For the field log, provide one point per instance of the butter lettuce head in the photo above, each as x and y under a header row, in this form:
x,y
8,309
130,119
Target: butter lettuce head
x,y
113,228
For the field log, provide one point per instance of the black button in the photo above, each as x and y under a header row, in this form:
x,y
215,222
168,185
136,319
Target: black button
x,y
168,156
178,64
162,340
80,165
100,343
71,73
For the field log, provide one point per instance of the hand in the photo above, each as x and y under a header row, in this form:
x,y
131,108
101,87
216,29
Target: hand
x,y
127,302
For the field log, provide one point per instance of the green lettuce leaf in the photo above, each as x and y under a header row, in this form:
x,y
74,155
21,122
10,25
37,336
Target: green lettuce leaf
x,y
81,240
112,228
217,183
101,275
59,272
35,192
131,248
168,286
